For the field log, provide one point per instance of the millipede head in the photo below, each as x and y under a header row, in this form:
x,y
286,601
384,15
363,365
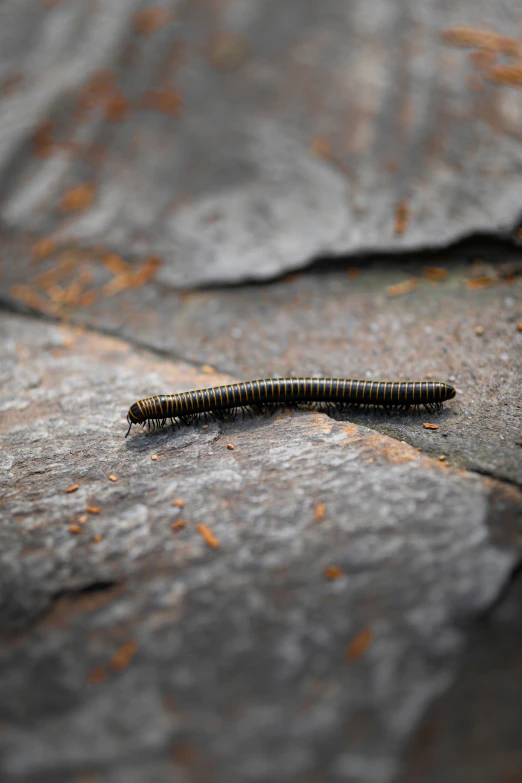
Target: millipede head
x,y
450,391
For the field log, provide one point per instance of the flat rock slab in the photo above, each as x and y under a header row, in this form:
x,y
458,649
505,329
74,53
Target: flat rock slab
x,y
135,651
348,323
238,140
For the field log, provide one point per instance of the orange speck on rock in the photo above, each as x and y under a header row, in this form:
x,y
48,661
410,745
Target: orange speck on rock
x,y
321,147
75,529
229,51
78,198
73,488
207,534
479,331
121,659
402,216
476,283
113,478
352,272
179,525
333,572
360,644
82,519
230,446
93,509
43,143
402,288
97,675
486,40
320,510
428,426
435,274
178,502
165,101
97,538
149,20
519,326
43,249
115,264
510,75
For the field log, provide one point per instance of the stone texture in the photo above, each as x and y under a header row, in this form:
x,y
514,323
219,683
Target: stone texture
x,y
249,664
241,140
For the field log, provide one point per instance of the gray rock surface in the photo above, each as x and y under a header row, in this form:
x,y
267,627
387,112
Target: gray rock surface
x,y
238,140
241,662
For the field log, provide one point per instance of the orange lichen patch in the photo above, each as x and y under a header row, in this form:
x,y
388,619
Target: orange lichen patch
x,y
43,143
75,529
146,272
207,368
73,488
479,331
229,51
121,659
435,274
150,19
207,534
506,74
143,275
395,452
166,101
112,478
319,513
476,283
402,216
87,299
178,502
481,39
321,147
230,446
115,264
97,538
82,519
333,572
352,272
179,525
27,295
93,509
43,249
78,198
360,644
402,288
483,59
116,106
97,675
428,426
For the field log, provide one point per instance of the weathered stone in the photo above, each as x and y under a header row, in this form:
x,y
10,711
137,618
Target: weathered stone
x,y
242,662
241,140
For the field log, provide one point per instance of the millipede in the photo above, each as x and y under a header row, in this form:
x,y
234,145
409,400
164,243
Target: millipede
x,y
261,396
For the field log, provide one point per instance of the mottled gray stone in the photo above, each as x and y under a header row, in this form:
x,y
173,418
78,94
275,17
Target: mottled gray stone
x,y
241,670
301,128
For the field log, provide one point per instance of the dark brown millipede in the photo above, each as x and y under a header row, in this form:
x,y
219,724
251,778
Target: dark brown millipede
x,y
222,402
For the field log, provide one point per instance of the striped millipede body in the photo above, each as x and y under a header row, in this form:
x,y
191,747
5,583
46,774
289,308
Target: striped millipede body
x,y
334,393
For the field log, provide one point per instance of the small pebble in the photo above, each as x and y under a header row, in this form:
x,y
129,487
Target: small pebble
x,y
73,488
519,326
479,330
442,457
154,457
428,426
113,478
230,446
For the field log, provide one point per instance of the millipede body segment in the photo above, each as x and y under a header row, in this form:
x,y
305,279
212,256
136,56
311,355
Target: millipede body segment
x,y
258,396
